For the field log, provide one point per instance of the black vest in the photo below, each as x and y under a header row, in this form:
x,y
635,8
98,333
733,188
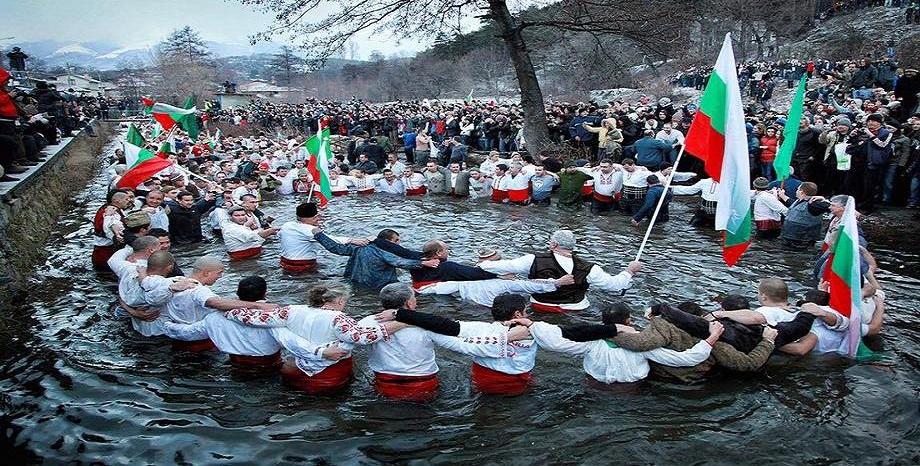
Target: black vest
x,y
545,266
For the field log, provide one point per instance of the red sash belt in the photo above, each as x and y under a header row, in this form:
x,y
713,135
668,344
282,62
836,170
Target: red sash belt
x,y
196,346
518,195
330,379
768,225
587,189
421,284
339,193
366,191
298,265
101,256
550,308
406,387
499,195
492,382
257,362
602,198
419,191
245,253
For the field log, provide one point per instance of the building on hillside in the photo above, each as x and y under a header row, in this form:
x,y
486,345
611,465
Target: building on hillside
x,y
256,89
81,83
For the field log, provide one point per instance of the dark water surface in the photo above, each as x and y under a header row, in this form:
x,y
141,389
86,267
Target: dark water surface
x,y
79,386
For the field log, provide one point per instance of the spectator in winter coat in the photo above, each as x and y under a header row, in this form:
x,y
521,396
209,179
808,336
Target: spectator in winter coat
x,y
768,147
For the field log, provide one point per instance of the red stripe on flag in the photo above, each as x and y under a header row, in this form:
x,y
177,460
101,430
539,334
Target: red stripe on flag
x,y
142,172
164,120
731,254
706,144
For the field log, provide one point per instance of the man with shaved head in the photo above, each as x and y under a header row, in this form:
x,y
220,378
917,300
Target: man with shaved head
x,y
193,305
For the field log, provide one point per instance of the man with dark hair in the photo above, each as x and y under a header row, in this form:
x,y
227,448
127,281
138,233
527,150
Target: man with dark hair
x,y
165,244
404,365
252,288
370,265
185,217
804,219
445,270
652,196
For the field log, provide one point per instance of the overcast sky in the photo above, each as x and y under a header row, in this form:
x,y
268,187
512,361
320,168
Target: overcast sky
x,y
133,23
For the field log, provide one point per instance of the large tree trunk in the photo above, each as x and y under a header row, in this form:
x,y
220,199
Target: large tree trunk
x,y
536,132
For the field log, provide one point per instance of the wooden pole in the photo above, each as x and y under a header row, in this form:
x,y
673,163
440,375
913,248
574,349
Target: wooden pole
x,y
667,185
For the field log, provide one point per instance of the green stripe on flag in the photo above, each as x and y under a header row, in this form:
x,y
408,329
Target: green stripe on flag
x,y
742,234
790,132
843,258
713,101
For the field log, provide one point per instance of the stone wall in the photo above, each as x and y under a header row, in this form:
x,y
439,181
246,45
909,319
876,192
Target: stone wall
x,y
27,220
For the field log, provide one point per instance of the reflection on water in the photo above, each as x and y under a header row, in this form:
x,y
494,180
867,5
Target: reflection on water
x,y
79,385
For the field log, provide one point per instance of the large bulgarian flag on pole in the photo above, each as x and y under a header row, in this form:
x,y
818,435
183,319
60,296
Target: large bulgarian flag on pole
x,y
844,277
320,154
717,136
168,117
142,164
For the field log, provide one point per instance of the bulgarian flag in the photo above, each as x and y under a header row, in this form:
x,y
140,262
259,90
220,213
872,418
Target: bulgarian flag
x,y
320,153
134,137
790,133
167,146
168,117
844,277
148,104
142,164
717,137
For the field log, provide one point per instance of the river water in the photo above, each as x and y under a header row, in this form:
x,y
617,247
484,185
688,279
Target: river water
x,y
78,386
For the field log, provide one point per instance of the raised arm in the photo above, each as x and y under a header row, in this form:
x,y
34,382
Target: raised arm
x,y
335,247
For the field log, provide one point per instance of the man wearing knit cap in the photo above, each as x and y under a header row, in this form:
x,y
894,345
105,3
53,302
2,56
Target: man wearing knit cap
x,y
298,246
558,261
830,138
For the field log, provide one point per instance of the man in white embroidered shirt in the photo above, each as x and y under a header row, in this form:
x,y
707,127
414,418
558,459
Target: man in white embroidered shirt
x,y
558,261
404,365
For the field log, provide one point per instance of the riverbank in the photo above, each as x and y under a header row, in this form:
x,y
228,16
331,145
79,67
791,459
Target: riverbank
x,y
30,208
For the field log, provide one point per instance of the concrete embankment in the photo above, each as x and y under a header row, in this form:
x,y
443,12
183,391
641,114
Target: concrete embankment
x,y
29,209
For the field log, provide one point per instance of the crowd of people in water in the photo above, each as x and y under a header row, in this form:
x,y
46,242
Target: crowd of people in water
x,y
214,190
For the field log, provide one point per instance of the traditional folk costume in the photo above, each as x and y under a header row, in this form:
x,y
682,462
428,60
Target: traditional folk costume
x,y
607,363
708,190
768,214
385,187
551,265
131,292
105,227
188,307
315,329
499,189
416,184
518,188
483,292
241,241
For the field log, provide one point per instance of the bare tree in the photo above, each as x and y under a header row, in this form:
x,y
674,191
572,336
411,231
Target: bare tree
x,y
287,65
183,66
323,27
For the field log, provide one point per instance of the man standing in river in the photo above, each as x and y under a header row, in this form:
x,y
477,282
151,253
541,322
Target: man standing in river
x,y
561,260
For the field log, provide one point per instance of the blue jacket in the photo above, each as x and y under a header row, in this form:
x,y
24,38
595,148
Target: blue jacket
x,y
368,265
409,140
445,271
650,152
651,200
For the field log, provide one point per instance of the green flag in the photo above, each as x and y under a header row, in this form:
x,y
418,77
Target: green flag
x,y
134,136
790,132
189,123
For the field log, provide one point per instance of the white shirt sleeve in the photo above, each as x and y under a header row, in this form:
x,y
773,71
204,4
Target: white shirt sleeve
x,y
549,336
694,188
619,282
186,332
486,347
118,262
689,358
350,331
774,204
521,265
449,287
297,345
531,286
682,176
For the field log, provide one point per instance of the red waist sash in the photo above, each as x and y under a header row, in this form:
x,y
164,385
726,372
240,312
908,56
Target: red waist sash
x,y
587,189
340,193
421,284
245,253
366,191
549,308
419,191
406,387
101,256
499,195
195,346
270,361
518,195
602,198
330,379
768,225
492,382
298,265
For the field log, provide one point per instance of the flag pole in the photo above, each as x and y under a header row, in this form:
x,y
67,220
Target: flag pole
x,y
310,196
189,173
667,185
